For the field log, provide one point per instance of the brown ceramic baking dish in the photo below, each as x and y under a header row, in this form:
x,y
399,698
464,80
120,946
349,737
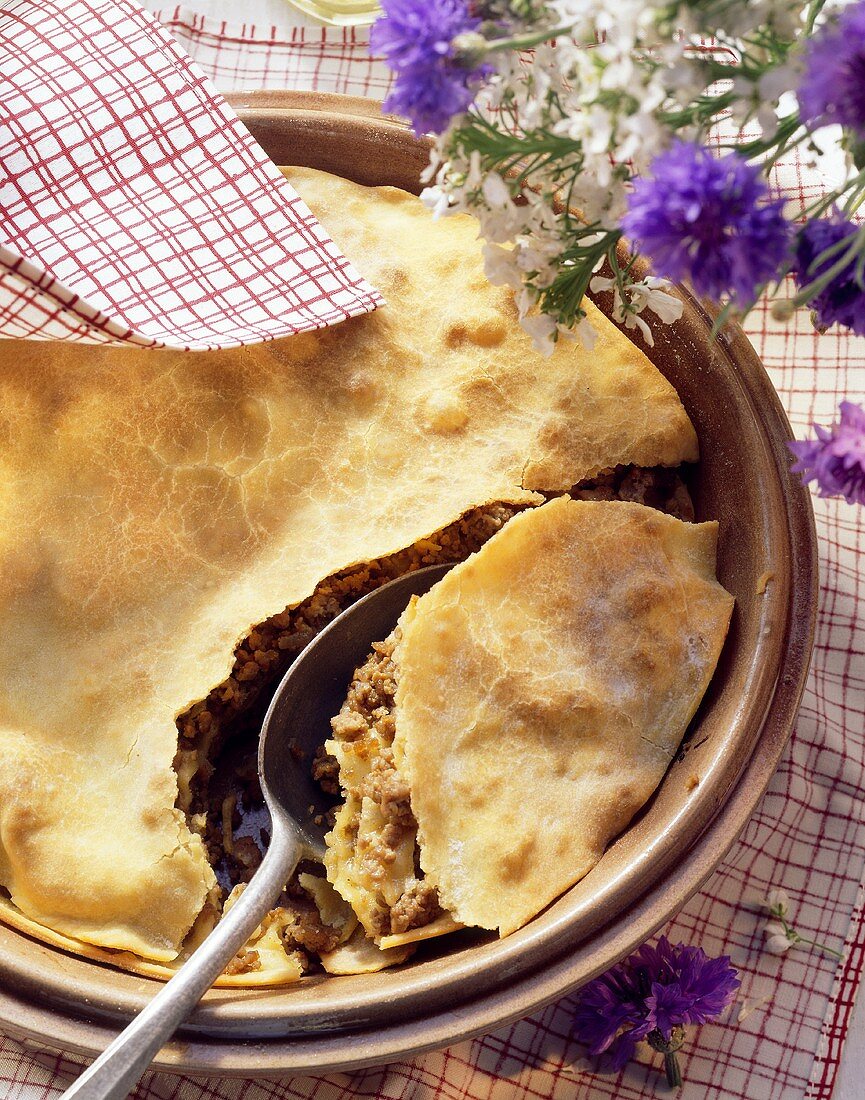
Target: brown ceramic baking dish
x,y
470,983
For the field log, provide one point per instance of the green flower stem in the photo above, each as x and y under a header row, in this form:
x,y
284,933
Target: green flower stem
x,y
564,295
784,139
794,937
854,199
820,946
854,189
816,286
671,1062
699,113
526,41
814,9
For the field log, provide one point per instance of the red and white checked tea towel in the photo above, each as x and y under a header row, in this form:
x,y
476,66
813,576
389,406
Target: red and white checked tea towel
x,y
134,206
807,835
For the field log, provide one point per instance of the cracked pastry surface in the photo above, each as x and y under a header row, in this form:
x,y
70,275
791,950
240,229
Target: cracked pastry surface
x,y
156,507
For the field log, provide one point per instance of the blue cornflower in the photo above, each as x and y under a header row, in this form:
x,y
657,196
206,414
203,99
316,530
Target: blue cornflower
x,y
833,87
705,218
651,996
434,81
611,1015
836,458
842,300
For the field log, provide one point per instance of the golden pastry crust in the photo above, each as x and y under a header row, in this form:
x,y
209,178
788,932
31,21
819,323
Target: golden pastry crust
x,y
154,505
543,688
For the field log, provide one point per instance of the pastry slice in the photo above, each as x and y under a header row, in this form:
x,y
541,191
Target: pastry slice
x,y
521,713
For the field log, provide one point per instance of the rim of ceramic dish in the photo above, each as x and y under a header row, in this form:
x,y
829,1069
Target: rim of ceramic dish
x,y
243,1033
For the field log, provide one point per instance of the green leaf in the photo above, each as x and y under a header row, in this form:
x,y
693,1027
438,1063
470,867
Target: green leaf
x,y
857,151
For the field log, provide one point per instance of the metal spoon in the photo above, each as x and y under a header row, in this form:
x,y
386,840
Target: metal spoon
x,y
298,718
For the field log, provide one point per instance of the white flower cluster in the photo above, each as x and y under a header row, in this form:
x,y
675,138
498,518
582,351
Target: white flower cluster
x,y
780,935
648,294
568,124
778,940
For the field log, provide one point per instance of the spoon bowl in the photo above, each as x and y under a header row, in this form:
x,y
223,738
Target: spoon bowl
x,y
296,723
311,693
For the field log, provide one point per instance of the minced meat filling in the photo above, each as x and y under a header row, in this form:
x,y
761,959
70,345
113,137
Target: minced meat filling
x,y
301,925
366,719
301,931
244,962
417,907
658,487
325,771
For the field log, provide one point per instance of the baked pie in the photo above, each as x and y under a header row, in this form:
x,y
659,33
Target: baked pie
x,y
174,527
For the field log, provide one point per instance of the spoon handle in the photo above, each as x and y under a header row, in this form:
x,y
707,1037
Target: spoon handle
x,y
116,1071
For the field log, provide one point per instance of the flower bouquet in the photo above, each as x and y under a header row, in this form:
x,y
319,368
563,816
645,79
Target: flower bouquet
x,y
585,136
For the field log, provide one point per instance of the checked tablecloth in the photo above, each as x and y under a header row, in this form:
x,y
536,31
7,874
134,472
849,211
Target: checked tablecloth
x,y
783,1039
135,207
